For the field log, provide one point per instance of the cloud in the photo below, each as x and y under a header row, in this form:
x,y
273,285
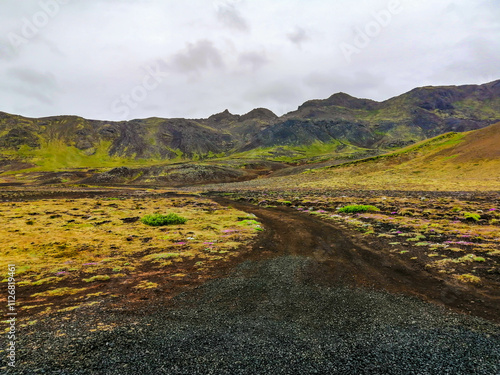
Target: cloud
x,y
30,83
473,60
237,54
231,17
276,94
298,36
32,77
6,52
197,57
253,60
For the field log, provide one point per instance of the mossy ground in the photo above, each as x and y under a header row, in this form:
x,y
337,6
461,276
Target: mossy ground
x,y
313,152
57,156
71,248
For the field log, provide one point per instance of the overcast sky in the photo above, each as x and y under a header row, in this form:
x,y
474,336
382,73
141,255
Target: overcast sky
x,y
124,59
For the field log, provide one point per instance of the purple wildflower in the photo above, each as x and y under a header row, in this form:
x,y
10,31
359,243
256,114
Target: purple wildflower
x,y
460,243
90,264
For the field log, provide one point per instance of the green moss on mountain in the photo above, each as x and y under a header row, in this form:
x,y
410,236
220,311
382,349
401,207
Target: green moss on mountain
x,y
338,126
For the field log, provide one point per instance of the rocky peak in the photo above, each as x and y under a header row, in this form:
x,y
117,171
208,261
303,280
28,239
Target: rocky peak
x,y
341,99
259,114
225,116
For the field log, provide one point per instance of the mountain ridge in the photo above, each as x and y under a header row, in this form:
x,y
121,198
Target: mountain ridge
x,y
453,161
341,120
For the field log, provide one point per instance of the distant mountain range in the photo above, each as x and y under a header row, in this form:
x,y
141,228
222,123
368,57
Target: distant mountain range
x,y
339,124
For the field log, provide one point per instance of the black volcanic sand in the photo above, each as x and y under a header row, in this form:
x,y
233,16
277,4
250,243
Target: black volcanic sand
x,y
267,317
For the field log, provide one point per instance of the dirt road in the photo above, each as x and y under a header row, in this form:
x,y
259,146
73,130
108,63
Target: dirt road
x,y
343,256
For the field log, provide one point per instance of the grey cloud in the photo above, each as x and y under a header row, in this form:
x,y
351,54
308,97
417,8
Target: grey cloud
x,y
52,47
345,82
276,94
211,61
322,81
298,36
476,57
197,57
33,77
40,86
253,60
7,52
231,17
41,96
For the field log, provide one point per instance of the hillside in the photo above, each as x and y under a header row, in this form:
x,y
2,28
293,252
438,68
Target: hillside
x,y
416,115
340,126
451,161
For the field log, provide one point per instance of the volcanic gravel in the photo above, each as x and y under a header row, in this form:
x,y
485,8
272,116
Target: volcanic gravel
x,y
267,318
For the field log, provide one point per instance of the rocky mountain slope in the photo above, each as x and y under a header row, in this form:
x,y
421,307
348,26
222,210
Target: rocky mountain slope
x,y
454,161
416,115
341,121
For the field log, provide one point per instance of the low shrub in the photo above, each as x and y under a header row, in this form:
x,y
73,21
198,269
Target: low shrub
x,y
356,208
472,216
58,292
249,222
157,220
469,278
97,278
160,256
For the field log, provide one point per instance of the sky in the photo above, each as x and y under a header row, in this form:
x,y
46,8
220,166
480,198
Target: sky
x,y
125,59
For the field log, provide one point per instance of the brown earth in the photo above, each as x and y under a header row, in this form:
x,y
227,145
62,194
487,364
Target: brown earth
x,y
478,145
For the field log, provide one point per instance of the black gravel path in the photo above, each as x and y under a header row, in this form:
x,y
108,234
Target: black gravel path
x,y
267,317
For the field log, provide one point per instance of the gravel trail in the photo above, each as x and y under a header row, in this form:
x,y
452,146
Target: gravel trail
x,y
266,318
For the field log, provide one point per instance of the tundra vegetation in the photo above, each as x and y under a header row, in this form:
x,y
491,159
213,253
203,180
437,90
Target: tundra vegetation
x,y
82,250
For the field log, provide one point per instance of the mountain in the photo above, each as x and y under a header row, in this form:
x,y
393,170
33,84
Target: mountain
x,y
453,161
142,139
416,115
339,125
